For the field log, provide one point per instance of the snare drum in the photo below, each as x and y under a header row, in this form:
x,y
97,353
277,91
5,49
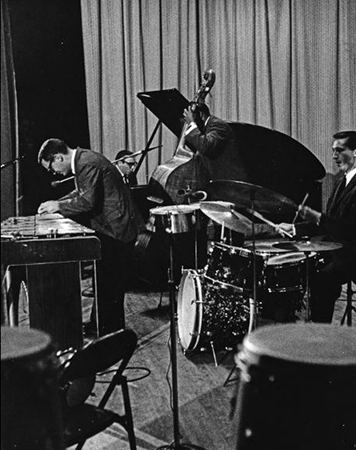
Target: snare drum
x,y
210,313
297,388
175,219
286,272
30,407
234,266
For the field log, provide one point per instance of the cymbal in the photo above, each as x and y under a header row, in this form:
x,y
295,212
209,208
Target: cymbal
x,y
308,246
224,214
266,246
174,209
272,205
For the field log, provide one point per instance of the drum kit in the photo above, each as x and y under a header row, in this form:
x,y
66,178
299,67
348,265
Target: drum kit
x,y
219,305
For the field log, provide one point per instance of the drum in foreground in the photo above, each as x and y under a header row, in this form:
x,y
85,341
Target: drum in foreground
x,y
297,388
30,406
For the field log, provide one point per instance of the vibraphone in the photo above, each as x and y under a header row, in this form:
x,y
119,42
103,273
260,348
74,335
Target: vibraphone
x,y
50,247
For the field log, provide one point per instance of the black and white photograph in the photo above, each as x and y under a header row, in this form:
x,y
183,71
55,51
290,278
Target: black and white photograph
x,y
178,224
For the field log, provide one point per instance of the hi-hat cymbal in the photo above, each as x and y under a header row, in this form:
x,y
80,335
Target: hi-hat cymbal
x,y
224,214
272,205
308,246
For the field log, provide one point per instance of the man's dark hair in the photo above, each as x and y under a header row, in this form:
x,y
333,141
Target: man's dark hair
x,y
123,153
349,135
50,148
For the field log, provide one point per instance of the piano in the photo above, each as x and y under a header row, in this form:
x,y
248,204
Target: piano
x,y
273,159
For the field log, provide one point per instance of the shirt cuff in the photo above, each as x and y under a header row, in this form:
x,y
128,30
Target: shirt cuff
x,y
191,127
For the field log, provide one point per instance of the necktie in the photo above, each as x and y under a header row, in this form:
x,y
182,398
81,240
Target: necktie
x,y
341,187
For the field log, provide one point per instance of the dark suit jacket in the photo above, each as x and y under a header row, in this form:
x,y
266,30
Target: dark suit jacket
x,y
100,195
218,146
338,224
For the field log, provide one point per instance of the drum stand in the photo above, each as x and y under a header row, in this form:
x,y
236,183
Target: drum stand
x,y
253,300
172,300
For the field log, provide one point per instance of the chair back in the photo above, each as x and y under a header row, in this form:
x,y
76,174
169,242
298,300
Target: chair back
x,y
102,353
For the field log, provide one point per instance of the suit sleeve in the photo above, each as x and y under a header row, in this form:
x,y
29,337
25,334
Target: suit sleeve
x,y
342,228
211,143
89,195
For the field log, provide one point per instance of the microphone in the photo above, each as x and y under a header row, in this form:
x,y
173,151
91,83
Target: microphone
x,y
13,161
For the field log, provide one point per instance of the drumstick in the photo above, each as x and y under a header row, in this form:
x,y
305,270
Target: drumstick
x,y
268,222
301,206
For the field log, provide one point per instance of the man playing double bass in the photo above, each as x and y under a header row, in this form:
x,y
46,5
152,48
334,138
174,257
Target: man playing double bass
x,y
214,140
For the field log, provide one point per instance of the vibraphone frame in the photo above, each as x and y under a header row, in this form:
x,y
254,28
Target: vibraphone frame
x,y
53,279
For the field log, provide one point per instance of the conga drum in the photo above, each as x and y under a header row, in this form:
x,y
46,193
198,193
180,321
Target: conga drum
x,y
297,388
30,405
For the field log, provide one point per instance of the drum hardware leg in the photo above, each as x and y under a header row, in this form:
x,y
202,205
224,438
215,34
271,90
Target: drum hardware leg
x,y
229,379
160,300
172,300
214,353
349,307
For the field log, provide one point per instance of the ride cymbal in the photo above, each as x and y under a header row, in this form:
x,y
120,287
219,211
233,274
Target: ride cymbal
x,y
308,246
272,205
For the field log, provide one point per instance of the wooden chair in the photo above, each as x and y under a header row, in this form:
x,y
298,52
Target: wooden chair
x,y
84,420
349,306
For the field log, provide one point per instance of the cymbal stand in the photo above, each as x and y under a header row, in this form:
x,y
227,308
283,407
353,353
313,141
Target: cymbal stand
x,y
172,300
253,301
307,285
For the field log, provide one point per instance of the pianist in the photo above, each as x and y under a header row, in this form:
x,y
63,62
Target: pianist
x,y
101,196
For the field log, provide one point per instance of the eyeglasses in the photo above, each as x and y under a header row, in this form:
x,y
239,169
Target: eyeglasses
x,y
131,164
50,168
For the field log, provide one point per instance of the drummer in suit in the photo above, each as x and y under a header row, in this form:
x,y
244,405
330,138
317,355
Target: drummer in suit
x,y
337,224
102,198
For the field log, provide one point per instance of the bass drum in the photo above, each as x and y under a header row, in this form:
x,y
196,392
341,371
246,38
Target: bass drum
x,y
211,314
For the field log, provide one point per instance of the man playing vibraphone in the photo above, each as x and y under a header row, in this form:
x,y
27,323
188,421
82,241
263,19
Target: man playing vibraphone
x,y
102,197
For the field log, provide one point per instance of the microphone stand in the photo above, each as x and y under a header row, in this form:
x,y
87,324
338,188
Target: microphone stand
x,y
172,300
13,161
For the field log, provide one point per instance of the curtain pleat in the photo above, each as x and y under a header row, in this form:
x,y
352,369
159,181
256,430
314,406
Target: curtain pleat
x,y
284,64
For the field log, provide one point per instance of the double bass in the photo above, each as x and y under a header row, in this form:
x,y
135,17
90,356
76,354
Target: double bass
x,y
185,172
170,182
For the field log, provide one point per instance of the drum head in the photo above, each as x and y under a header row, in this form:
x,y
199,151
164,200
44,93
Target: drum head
x,y
174,209
189,309
18,343
314,345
